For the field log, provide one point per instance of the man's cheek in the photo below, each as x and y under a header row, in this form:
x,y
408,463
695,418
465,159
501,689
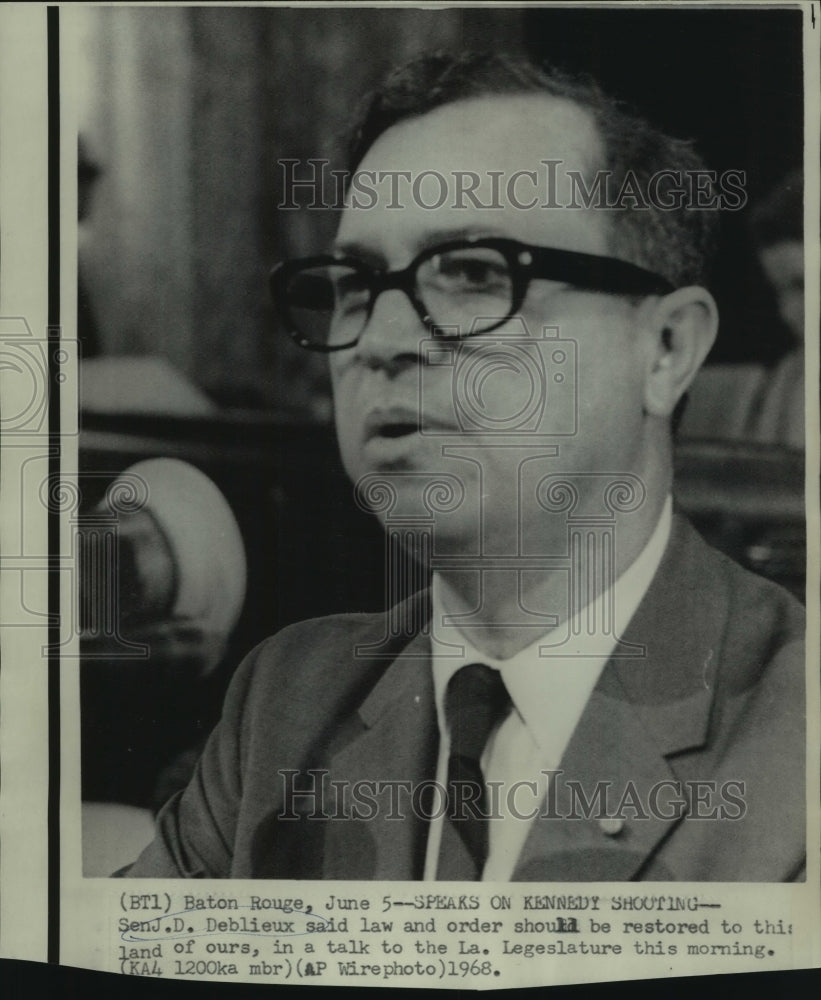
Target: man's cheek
x,y
346,429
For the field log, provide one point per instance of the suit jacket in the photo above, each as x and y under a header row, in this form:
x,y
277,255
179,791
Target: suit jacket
x,y
713,712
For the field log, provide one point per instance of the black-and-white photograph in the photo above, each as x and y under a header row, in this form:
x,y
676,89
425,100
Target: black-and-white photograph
x,y
441,492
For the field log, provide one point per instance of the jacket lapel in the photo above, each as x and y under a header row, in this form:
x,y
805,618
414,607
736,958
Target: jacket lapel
x,y
390,744
642,713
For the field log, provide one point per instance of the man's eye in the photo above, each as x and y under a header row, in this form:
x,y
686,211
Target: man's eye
x,y
470,272
351,293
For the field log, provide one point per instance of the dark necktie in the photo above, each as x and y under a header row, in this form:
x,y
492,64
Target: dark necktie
x,y
475,701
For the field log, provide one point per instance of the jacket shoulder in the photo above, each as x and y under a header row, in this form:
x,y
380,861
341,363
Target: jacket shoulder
x,y
315,643
314,672
752,605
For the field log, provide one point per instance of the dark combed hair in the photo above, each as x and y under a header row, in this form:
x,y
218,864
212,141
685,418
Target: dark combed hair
x,y
676,243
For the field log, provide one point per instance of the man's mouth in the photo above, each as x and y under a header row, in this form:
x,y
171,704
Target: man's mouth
x,y
391,423
397,430
389,428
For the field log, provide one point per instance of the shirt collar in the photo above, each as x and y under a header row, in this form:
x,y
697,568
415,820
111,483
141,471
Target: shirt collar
x,y
537,682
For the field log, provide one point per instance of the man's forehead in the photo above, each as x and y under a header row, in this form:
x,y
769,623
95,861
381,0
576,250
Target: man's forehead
x,y
473,165
528,123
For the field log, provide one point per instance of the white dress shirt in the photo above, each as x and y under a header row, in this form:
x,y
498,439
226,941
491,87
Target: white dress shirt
x,y
548,695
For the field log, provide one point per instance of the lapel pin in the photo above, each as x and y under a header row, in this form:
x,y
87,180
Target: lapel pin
x,y
611,826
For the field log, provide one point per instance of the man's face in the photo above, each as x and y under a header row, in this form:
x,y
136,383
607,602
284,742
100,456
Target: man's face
x,y
381,384
783,264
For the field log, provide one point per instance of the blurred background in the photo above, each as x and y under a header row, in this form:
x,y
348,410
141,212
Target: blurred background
x,y
184,116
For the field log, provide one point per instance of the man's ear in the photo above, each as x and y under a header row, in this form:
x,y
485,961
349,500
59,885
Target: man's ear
x,y
684,324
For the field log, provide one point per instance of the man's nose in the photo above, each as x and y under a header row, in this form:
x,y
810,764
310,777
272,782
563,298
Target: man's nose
x,y
392,336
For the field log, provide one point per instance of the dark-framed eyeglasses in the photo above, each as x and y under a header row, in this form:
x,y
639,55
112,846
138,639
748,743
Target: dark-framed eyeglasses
x,y
460,288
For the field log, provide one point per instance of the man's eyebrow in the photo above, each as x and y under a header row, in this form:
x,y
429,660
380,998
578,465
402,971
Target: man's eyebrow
x,y
361,251
426,241
438,236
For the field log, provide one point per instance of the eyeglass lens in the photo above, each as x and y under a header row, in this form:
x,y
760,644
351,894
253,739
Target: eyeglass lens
x,y
330,305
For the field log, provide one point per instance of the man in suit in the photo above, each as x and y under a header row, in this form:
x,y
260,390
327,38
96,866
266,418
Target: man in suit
x,y
586,691
777,411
